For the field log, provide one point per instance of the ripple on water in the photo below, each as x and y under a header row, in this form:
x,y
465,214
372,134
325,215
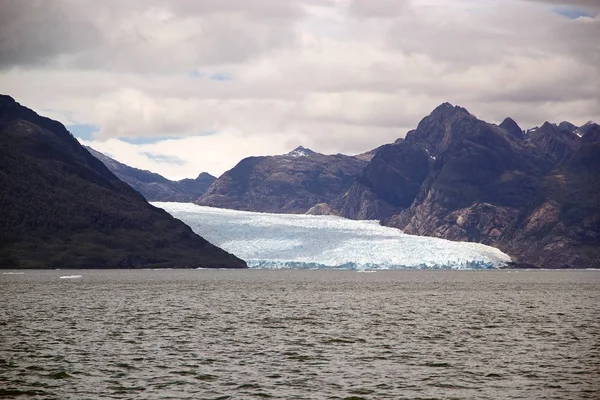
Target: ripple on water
x,y
301,335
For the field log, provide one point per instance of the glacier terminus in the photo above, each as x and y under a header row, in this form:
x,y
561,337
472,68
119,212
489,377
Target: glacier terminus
x,y
321,242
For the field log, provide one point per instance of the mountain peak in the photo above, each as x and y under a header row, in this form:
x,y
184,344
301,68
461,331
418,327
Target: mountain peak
x,y
301,151
567,126
583,130
205,176
513,129
444,112
548,125
6,97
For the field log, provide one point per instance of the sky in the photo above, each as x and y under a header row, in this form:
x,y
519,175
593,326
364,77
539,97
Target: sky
x,y
184,86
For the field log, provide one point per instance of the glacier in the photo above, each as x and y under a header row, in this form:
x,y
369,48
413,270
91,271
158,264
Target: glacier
x,y
320,242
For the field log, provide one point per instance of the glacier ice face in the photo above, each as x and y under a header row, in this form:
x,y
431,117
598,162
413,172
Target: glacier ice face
x,y
309,241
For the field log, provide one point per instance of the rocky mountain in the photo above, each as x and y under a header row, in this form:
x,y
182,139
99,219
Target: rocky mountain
x,y
390,181
560,227
554,142
289,183
155,187
461,178
567,127
60,207
512,128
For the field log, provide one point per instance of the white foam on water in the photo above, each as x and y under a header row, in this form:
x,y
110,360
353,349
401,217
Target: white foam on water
x,y
70,277
13,273
314,242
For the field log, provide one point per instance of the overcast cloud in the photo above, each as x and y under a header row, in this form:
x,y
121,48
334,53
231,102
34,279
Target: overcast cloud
x,y
184,86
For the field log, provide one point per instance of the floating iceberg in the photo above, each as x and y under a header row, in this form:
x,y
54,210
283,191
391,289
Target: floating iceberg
x,y
70,277
318,242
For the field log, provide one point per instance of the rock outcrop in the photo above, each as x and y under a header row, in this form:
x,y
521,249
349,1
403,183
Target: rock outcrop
x,y
60,207
290,183
561,226
390,182
155,187
322,209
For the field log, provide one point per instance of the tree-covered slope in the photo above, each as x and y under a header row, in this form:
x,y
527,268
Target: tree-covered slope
x,y
60,207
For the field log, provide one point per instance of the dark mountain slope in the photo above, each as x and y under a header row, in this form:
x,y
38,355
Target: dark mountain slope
x,y
480,180
290,183
592,134
512,128
390,182
155,187
456,154
561,227
554,142
60,207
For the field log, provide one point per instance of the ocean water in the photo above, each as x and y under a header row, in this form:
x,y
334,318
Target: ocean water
x,y
324,242
297,334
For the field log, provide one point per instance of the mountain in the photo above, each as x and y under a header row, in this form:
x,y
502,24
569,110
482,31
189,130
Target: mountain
x,y
561,226
588,132
390,181
155,187
460,178
289,183
512,128
458,155
554,142
62,208
567,127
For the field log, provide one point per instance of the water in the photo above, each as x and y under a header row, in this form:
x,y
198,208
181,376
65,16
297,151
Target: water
x,y
317,242
297,334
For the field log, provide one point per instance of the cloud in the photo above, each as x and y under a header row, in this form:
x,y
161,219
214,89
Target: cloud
x,y
213,81
377,8
35,32
166,159
140,35
589,4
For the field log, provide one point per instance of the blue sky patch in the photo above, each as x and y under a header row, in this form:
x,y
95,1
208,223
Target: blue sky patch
x,y
221,77
161,158
83,131
572,12
146,140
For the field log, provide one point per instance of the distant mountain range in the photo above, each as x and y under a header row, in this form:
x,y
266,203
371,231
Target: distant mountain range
x,y
60,207
155,187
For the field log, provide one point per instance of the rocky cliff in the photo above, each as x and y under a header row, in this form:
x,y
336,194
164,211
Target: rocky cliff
x,y
60,207
289,183
560,227
155,187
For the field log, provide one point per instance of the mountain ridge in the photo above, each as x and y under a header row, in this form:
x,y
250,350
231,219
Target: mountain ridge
x,y
62,208
153,186
288,183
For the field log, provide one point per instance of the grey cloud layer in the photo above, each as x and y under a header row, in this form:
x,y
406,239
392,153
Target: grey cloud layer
x,y
339,76
591,4
141,35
